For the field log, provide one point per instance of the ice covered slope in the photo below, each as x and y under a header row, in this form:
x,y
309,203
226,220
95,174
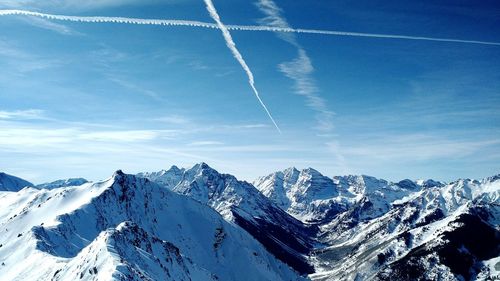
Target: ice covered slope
x,y
125,228
240,202
12,183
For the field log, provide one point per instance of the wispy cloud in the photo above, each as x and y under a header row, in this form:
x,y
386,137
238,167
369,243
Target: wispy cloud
x,y
49,25
134,87
413,147
198,65
121,136
245,126
15,58
29,114
237,55
44,136
300,69
205,143
173,119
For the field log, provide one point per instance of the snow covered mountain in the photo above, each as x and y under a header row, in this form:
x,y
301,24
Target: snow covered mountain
x,y
12,183
307,195
240,202
199,224
312,197
62,183
125,228
372,229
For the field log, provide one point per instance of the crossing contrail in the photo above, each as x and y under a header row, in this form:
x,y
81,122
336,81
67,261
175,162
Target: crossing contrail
x,y
227,35
237,55
121,20
191,23
356,34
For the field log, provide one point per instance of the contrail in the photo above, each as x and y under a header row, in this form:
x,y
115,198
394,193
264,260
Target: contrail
x,y
121,20
300,69
237,55
356,34
211,9
190,23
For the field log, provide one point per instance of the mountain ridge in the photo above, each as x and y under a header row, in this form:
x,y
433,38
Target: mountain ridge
x,y
63,238
364,229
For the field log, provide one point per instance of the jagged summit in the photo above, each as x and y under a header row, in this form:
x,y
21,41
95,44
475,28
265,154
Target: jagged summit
x,y
118,174
125,228
199,224
492,179
241,203
12,183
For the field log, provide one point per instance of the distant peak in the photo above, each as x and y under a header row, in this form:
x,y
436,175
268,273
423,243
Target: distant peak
x,y
118,174
202,166
12,183
492,178
174,168
119,177
311,171
407,184
290,170
428,183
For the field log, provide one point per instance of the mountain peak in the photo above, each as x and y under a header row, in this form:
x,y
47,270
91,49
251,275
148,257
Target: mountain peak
x,y
62,183
202,166
313,173
118,173
291,170
492,178
428,183
174,168
408,184
12,183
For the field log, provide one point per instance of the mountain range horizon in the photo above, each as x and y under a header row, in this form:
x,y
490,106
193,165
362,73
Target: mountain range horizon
x,y
177,167
302,224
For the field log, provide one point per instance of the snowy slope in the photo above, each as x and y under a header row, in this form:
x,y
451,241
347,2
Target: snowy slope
x,y
429,224
372,229
240,202
124,228
12,183
339,228
312,197
167,178
307,195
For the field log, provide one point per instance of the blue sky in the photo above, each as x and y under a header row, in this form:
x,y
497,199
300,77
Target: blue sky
x,y
85,99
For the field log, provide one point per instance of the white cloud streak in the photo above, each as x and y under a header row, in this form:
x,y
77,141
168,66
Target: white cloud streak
x,y
205,143
300,69
76,4
30,114
414,147
22,61
237,55
49,25
190,23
